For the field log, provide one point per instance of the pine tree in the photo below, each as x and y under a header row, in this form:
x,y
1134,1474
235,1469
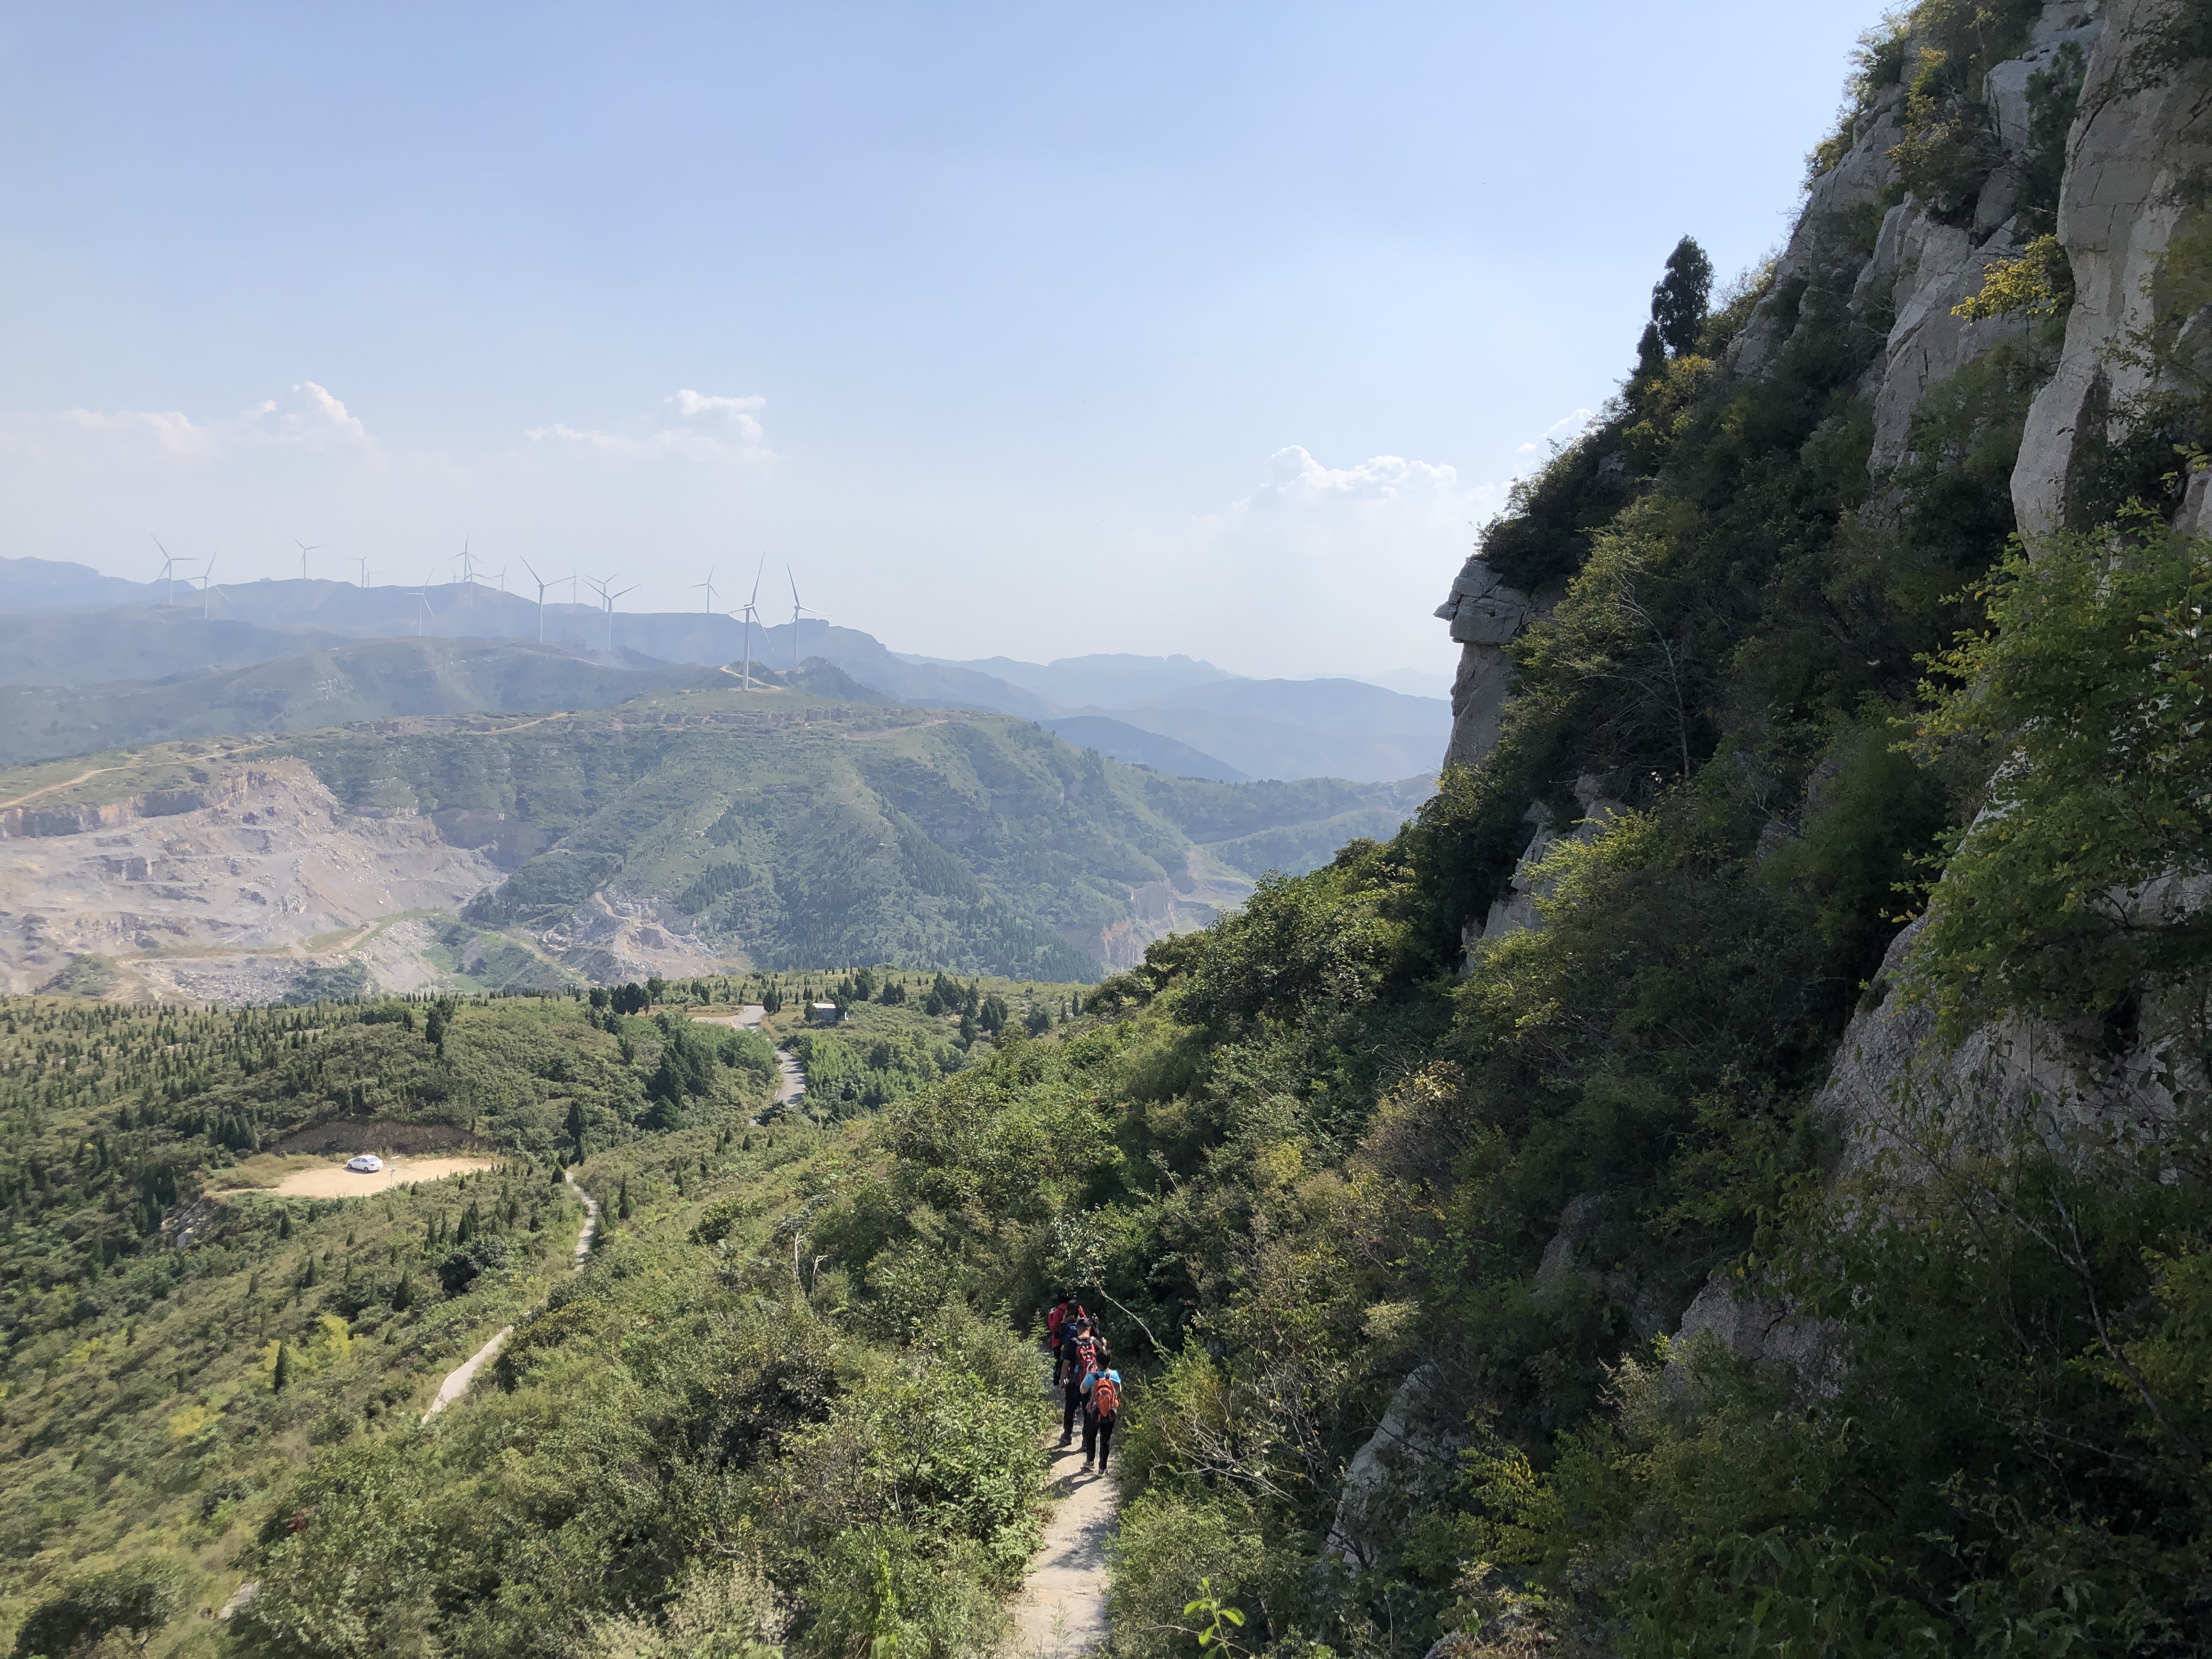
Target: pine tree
x,y
1678,299
282,1374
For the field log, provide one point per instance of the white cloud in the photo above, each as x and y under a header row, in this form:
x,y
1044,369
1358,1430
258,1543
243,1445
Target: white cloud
x,y
1294,477
1315,552
306,417
1384,497
690,423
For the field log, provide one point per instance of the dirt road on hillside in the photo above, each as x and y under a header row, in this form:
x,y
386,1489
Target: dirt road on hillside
x,y
793,1085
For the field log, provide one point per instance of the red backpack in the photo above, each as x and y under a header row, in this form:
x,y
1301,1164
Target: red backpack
x,y
1086,1353
1105,1397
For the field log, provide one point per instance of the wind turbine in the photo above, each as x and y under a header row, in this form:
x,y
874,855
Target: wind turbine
x,y
707,609
169,563
609,598
751,614
502,578
304,550
542,586
422,603
795,609
206,577
468,564
363,560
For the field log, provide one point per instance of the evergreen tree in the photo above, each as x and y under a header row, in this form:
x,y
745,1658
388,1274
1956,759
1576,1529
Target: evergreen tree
x,y
1678,299
282,1374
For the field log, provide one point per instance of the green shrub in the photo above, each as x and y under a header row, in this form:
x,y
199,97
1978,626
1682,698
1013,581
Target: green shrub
x,y
2069,890
1165,1545
135,1598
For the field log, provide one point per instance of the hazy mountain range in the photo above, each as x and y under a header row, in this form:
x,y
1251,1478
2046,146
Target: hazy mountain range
x,y
65,626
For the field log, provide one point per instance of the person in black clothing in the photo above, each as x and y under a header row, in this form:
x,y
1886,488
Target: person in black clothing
x,y
1101,1404
1080,1350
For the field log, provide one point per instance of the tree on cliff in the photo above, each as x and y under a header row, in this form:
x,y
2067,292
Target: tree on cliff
x,y
1678,299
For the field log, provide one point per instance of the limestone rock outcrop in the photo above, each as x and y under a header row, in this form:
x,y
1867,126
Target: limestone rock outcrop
x,y
1515,907
2134,160
1405,1461
1486,616
2134,149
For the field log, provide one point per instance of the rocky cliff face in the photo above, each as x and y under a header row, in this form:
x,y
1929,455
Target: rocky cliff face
x,y
1486,615
2109,95
2130,156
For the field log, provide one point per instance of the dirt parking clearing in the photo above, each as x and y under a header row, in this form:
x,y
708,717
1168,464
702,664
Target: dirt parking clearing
x,y
337,1182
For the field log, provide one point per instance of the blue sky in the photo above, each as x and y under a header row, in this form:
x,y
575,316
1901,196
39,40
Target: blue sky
x,y
1028,330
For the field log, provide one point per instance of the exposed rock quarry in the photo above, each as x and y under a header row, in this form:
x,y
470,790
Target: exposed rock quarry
x,y
227,892
1206,890
616,935
240,888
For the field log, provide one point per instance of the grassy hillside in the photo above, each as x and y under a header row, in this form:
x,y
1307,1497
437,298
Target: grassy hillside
x,y
137,643
206,1381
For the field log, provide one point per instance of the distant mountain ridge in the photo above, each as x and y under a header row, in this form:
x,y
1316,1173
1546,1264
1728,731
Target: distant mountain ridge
x,y
350,681
69,626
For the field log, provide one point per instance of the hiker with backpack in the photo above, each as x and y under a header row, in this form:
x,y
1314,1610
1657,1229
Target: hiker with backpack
x,y
1101,1406
1081,1348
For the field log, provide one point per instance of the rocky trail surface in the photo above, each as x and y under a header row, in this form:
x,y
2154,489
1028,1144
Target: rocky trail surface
x,y
1062,1608
458,1379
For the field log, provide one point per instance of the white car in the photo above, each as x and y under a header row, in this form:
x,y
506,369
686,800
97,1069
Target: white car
x,y
367,1163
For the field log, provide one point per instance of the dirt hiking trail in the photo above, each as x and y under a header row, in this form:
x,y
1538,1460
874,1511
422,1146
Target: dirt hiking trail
x,y
1061,1611
458,1380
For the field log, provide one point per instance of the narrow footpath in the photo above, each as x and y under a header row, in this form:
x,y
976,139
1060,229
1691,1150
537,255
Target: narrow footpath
x,y
1062,1612
458,1379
